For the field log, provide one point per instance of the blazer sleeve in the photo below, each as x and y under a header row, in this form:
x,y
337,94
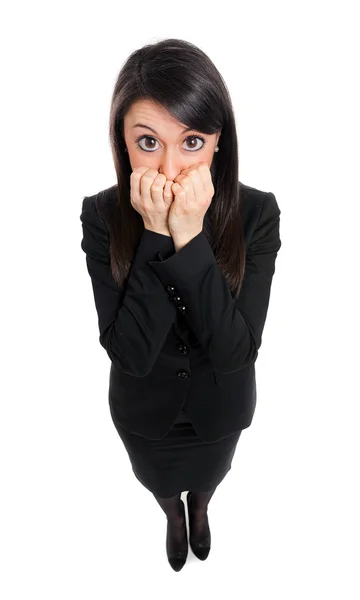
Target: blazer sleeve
x,y
133,322
228,329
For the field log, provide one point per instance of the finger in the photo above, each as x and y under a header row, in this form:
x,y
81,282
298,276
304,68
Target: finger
x,y
178,191
186,183
168,194
197,181
193,175
205,173
201,169
146,182
194,166
157,189
135,178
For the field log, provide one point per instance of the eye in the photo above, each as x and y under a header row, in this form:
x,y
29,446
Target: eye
x,y
196,137
143,138
152,149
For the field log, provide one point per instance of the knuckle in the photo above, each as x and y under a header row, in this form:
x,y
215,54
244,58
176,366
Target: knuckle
x,y
137,171
150,173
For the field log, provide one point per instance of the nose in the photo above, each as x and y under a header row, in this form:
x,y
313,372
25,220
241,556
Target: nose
x,y
171,166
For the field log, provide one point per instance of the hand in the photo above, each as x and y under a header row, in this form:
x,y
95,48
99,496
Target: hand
x,y
193,190
151,196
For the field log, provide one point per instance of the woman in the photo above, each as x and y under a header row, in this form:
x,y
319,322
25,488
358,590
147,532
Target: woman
x,y
181,257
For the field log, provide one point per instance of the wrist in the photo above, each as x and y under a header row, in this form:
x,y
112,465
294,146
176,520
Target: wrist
x,y
159,231
181,240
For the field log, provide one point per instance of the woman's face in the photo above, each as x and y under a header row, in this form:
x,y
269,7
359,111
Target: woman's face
x,y
160,142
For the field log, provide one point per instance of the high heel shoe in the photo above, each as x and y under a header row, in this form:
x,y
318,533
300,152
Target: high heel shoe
x,y
176,559
200,549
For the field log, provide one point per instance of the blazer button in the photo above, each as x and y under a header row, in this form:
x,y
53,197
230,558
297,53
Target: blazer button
x,y
183,348
175,299
182,309
170,289
182,374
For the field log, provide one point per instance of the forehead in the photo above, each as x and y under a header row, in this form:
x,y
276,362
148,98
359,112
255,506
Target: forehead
x,y
149,113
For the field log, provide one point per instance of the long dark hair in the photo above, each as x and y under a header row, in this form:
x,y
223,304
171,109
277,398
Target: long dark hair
x,y
180,77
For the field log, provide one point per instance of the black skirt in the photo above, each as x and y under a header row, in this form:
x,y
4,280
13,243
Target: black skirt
x,y
181,461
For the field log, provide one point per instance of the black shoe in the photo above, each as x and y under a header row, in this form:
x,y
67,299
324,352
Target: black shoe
x,y
177,559
200,549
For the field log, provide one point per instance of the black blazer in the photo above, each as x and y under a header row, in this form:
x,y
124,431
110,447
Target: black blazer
x,y
174,333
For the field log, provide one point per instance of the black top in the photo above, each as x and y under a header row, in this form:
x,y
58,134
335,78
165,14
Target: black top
x,y
175,333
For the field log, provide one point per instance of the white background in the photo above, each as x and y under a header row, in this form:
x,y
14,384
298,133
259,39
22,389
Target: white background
x,y
75,522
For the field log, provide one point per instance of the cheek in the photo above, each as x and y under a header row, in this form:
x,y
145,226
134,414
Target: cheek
x,y
139,158
135,159
208,154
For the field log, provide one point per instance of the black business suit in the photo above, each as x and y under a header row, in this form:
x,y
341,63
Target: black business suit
x,y
177,337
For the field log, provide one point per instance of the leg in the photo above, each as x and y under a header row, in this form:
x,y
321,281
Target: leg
x,y
172,507
200,501
199,506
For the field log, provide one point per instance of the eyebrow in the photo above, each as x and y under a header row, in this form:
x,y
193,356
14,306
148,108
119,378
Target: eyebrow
x,y
153,130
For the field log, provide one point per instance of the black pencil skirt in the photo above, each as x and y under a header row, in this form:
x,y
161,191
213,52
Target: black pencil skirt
x,y
181,461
